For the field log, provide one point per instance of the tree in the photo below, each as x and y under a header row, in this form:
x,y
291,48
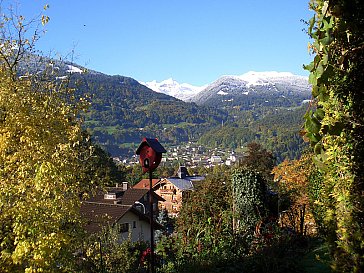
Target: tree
x,y
103,252
293,185
42,156
258,159
164,221
100,167
335,125
249,199
205,221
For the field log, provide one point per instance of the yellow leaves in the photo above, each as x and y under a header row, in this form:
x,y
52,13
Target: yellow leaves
x,y
22,248
325,8
45,19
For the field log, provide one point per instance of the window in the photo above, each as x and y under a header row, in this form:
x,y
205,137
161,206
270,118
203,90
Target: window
x,y
124,227
134,224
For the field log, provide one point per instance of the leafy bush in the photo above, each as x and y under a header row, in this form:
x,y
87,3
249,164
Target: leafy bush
x,y
104,252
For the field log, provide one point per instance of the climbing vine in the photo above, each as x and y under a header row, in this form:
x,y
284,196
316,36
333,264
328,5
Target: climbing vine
x,y
249,191
335,123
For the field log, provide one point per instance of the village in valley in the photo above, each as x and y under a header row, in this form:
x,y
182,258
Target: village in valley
x,y
191,155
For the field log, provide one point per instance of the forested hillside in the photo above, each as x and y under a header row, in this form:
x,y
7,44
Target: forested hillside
x,y
122,111
277,131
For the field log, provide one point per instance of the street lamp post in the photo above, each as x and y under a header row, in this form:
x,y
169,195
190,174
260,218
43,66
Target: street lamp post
x,y
150,151
140,203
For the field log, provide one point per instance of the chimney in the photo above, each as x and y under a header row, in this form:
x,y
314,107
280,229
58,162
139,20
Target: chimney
x,y
125,186
182,172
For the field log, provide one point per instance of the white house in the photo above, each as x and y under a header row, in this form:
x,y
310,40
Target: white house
x,y
117,207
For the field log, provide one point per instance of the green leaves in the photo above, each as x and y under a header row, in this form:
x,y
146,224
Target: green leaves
x,y
249,192
313,125
336,75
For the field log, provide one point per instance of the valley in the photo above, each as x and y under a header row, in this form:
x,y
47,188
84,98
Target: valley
x,y
229,113
123,111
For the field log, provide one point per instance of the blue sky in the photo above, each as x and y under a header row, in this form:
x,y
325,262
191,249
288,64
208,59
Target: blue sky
x,y
193,41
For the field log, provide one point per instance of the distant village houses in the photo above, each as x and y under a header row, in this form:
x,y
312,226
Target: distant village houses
x,y
192,155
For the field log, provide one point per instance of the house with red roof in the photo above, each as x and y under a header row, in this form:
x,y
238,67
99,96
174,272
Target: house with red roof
x,y
174,190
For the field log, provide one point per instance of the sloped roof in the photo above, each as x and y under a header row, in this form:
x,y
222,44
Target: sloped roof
x,y
144,184
132,195
153,143
100,211
99,214
182,184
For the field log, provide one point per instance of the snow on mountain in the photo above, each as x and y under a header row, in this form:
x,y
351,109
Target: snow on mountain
x,y
272,84
73,69
265,78
252,78
172,88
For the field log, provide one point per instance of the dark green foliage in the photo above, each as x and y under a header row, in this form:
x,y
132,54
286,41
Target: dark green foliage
x,y
249,195
259,159
205,216
276,130
124,111
104,252
318,199
103,168
206,240
165,221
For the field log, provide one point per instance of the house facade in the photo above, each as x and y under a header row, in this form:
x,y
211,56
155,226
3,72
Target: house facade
x,y
172,190
128,210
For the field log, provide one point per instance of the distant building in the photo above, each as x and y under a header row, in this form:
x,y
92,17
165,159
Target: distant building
x,y
173,189
215,159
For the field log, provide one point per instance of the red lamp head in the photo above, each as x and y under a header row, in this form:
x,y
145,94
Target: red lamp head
x,y
150,152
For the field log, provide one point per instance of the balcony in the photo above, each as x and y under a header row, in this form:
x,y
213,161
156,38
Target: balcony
x,y
167,191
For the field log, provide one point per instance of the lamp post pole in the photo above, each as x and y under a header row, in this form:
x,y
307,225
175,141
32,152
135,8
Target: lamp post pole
x,y
152,269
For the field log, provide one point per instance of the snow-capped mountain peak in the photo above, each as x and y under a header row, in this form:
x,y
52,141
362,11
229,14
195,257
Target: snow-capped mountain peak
x,y
172,88
263,84
246,84
253,78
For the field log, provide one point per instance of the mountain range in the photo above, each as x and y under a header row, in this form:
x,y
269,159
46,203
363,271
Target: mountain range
x,y
274,87
277,85
228,113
